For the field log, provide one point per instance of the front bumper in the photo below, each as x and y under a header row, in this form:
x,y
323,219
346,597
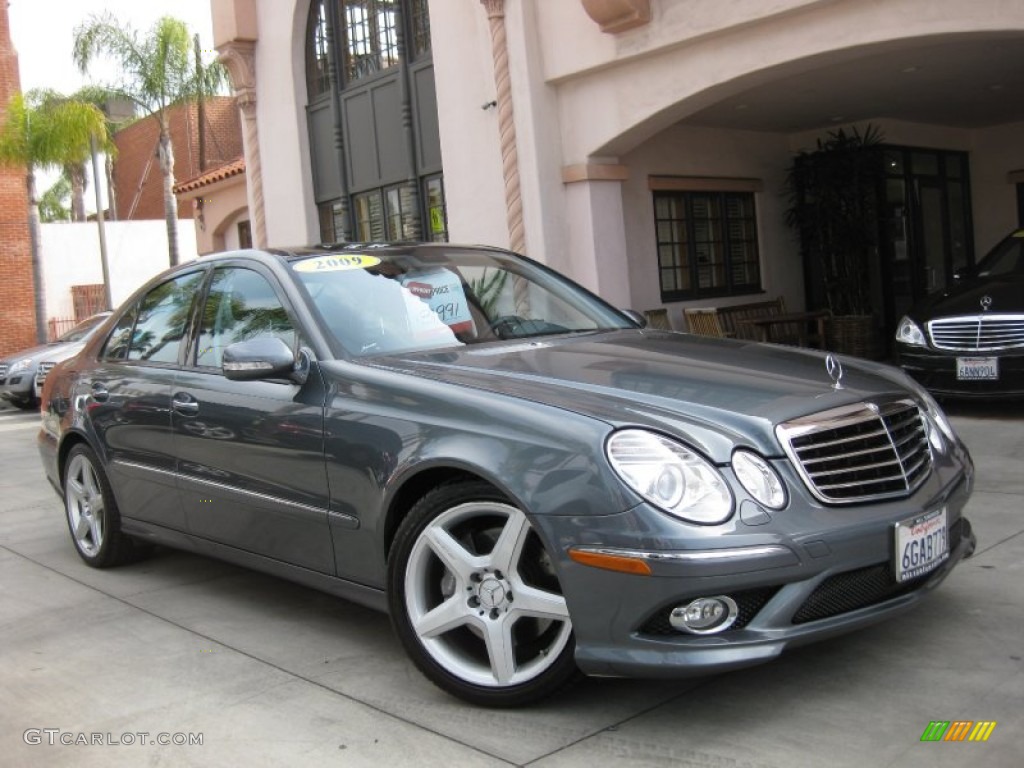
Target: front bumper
x,y
936,371
18,386
803,576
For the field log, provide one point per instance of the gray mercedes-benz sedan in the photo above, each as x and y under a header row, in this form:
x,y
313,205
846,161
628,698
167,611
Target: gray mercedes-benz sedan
x,y
526,479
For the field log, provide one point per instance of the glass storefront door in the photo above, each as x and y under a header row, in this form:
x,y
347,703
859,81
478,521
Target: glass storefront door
x,y
927,233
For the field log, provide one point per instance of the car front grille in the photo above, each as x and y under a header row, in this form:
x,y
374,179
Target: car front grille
x,y
42,370
977,333
863,587
860,452
3,371
748,603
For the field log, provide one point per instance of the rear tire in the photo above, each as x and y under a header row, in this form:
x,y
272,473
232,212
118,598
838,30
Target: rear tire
x,y
92,515
475,600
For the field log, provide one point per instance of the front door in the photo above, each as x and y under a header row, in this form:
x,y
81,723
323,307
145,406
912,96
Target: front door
x,y
250,453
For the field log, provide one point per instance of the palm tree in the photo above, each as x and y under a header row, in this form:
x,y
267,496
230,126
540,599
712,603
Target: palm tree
x,y
74,169
44,132
76,172
53,203
158,71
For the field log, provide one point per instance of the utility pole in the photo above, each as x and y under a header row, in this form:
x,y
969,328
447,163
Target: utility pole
x,y
107,301
200,107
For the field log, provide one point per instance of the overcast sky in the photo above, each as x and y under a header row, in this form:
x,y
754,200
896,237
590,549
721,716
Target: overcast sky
x,y
43,31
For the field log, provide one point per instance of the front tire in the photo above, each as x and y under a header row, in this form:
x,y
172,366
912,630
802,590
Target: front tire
x,y
92,515
475,600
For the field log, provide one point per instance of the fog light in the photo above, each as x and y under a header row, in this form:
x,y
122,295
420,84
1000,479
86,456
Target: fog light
x,y
705,615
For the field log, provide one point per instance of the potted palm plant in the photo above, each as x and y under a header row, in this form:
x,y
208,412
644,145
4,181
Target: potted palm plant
x,y
834,197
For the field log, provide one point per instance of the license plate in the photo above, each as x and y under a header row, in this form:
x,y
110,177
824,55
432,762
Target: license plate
x,y
977,368
921,544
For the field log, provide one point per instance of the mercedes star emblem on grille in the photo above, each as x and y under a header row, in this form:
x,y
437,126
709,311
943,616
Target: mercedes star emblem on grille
x,y
986,303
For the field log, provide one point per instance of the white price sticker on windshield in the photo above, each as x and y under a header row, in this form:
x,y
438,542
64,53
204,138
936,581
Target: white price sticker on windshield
x,y
442,292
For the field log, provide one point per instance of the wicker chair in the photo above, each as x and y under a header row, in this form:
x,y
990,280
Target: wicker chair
x,y
658,318
703,322
733,318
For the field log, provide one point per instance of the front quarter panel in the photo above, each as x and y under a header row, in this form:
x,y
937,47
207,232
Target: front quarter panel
x,y
385,428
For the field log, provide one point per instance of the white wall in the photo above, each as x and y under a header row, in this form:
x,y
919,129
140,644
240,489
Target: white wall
x,y
470,153
996,152
615,91
288,203
573,43
136,251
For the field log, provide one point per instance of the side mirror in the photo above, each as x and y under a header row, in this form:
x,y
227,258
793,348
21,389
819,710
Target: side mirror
x,y
636,317
264,358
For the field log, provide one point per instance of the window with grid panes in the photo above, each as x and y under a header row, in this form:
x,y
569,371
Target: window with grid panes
x,y
371,37
420,28
707,244
368,217
332,221
318,78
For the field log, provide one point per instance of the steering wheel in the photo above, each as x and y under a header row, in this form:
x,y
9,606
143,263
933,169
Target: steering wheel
x,y
507,326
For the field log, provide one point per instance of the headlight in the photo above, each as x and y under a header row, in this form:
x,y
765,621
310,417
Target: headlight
x,y
908,332
937,415
759,479
670,476
21,365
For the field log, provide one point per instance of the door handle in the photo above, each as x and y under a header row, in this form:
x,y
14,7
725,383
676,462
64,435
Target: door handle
x,y
185,404
99,393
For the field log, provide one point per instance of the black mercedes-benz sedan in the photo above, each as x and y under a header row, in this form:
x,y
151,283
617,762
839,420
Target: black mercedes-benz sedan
x,y
525,478
968,341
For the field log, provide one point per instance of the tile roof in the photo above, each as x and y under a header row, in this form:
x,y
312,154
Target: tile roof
x,y
212,176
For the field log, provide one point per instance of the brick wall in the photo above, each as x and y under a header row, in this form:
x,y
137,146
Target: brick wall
x,y
18,329
136,145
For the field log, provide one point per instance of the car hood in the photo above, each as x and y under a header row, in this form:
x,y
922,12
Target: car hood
x,y
716,393
37,354
60,352
964,298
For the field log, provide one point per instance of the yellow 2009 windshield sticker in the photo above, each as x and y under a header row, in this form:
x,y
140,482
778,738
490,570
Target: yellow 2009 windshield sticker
x,y
336,263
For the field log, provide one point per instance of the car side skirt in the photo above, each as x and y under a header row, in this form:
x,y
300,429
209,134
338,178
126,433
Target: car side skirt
x,y
347,590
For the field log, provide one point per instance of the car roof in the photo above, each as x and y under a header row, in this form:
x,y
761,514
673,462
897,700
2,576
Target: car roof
x,y
391,249
286,254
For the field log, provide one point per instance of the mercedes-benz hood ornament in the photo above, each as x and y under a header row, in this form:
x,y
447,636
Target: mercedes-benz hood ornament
x,y
835,370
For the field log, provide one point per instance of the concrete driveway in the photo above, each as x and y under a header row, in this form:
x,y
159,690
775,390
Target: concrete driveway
x,y
179,648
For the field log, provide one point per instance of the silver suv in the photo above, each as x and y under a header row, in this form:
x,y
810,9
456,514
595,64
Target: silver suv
x,y
18,371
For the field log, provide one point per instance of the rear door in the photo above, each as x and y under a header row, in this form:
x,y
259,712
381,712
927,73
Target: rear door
x,y
250,453
128,396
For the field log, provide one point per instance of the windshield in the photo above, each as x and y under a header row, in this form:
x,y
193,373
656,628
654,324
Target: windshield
x,y
1007,258
376,302
83,329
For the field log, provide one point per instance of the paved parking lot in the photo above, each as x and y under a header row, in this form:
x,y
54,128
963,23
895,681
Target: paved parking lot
x,y
267,673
